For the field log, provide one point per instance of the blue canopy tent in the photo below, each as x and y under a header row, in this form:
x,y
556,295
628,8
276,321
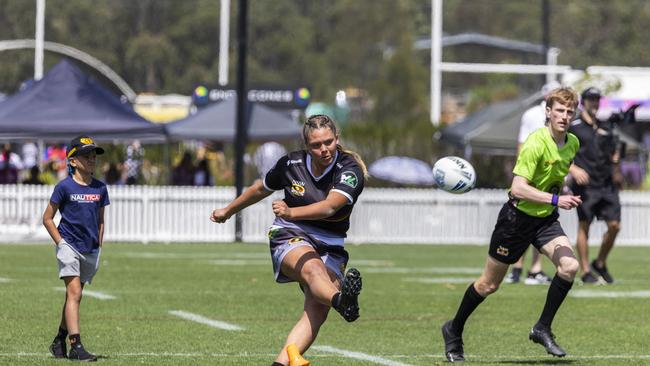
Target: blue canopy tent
x,y
68,102
217,122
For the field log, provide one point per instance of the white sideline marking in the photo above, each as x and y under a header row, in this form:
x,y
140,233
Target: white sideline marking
x,y
440,280
609,294
169,255
434,270
5,279
359,356
203,320
239,262
95,294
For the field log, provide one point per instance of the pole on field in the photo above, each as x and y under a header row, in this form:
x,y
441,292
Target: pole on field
x,y
224,39
436,60
39,38
242,99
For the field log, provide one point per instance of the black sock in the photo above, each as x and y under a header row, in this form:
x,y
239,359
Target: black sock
x,y
276,364
471,300
62,333
74,339
336,300
557,291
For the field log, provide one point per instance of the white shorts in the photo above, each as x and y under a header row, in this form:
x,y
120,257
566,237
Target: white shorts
x,y
73,263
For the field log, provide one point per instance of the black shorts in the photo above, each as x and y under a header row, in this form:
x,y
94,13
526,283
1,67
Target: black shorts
x,y
602,202
515,231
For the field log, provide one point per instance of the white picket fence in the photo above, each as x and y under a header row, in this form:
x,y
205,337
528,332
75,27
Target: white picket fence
x,y
181,214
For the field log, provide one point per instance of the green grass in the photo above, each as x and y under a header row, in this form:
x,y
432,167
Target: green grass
x,y
400,319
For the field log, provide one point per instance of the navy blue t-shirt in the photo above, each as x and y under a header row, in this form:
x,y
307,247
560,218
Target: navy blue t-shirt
x,y
79,206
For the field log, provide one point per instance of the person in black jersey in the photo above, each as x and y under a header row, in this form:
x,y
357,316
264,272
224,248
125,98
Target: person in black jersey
x,y
592,174
321,184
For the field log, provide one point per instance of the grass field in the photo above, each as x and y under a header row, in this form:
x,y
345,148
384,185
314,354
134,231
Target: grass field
x,y
408,292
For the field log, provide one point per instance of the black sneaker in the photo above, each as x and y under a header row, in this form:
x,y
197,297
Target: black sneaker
x,y
58,348
589,278
453,344
603,272
543,335
537,278
350,290
79,353
514,275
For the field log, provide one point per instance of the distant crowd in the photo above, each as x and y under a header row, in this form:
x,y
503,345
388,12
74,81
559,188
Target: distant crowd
x,y
28,164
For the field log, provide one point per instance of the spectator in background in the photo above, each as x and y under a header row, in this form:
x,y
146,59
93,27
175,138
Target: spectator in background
x,y
183,174
34,176
534,118
30,154
593,180
202,175
113,175
49,174
10,165
133,163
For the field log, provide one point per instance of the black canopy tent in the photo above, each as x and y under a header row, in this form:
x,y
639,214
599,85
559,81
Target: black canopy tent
x,y
68,102
217,122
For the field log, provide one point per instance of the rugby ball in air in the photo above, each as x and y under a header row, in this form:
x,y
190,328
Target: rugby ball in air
x,y
454,175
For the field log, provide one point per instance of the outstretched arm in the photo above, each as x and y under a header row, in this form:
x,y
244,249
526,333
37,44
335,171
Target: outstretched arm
x,y
318,210
251,195
522,189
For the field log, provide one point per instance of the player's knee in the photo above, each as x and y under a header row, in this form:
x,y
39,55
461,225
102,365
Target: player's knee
x,y
614,227
73,294
311,270
568,267
486,288
317,313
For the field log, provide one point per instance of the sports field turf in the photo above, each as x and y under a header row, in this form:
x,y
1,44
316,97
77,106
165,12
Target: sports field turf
x,y
409,291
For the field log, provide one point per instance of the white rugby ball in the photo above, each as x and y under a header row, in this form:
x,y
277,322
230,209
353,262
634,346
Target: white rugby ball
x,y
454,175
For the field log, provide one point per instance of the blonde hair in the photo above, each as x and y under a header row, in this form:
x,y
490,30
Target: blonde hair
x,y
566,96
322,121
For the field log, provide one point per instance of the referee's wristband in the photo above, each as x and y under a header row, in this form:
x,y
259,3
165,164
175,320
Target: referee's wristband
x,y
554,199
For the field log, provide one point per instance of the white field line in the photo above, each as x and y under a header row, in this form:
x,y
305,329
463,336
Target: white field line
x,y
169,255
609,294
5,280
433,270
239,262
359,356
203,320
402,356
95,294
441,280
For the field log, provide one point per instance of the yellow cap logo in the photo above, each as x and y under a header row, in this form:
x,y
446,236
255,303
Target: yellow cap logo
x,y
86,140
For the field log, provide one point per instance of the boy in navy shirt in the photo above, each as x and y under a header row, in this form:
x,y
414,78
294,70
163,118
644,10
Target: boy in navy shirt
x,y
78,238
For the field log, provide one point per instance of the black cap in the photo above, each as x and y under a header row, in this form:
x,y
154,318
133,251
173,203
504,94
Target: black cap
x,y
591,92
81,145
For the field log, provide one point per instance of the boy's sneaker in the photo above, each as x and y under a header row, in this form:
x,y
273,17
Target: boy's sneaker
x,y
58,348
349,304
79,353
537,278
589,278
543,335
453,344
514,275
603,272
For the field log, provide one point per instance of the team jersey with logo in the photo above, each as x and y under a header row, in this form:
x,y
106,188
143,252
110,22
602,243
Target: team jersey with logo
x,y
292,173
545,166
79,206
